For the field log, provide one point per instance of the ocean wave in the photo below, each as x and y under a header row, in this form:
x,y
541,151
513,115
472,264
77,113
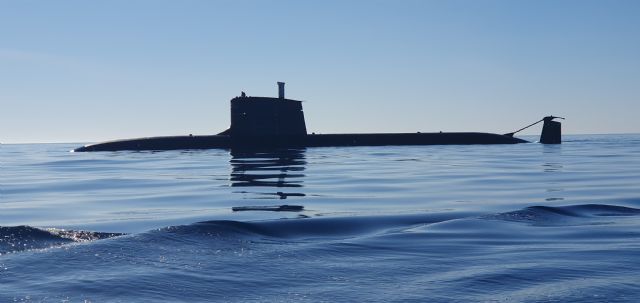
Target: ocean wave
x,y
417,257
558,215
359,226
319,227
20,238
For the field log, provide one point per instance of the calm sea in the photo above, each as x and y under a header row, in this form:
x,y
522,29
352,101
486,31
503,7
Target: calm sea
x,y
510,223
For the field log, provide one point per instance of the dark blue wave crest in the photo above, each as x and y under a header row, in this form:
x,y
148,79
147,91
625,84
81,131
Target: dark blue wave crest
x,y
19,238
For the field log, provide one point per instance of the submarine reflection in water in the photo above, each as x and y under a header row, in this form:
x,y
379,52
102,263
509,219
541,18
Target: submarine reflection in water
x,y
278,168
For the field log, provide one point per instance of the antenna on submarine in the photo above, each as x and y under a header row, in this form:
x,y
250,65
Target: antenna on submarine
x,y
280,90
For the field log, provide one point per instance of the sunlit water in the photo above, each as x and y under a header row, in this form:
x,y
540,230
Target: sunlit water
x,y
501,223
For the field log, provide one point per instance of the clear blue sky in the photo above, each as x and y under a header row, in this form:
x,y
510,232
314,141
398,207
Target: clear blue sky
x,y
88,71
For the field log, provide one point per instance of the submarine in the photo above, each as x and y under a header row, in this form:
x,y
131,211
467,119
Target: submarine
x,y
268,122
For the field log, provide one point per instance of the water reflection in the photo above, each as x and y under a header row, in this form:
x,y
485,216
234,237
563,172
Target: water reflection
x,y
281,169
554,189
552,167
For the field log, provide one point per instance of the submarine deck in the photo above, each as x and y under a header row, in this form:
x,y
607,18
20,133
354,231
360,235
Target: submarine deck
x,y
313,140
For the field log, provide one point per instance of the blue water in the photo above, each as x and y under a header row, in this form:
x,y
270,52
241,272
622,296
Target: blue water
x,y
520,223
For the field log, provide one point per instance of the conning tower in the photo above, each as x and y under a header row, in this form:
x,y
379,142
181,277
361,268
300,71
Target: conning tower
x,y
265,116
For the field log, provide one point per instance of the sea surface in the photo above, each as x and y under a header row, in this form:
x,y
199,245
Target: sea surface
x,y
484,223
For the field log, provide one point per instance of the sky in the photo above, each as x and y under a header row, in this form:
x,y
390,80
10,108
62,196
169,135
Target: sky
x,y
90,71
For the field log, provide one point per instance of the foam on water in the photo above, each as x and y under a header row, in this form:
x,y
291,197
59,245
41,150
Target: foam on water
x,y
19,238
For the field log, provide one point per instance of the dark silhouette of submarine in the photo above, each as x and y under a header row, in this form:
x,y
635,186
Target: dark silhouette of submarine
x,y
264,122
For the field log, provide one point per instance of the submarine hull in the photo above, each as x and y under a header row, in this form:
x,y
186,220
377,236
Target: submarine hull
x,y
320,140
160,143
463,138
